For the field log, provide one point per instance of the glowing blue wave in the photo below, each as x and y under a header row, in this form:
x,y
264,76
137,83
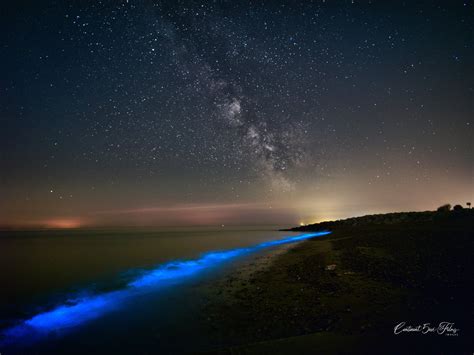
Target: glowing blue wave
x,y
78,311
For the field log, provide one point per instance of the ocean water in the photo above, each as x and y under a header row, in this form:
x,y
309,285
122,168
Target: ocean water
x,y
122,291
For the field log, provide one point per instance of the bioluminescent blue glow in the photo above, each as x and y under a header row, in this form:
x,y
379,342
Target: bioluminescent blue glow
x,y
81,310
177,270
65,316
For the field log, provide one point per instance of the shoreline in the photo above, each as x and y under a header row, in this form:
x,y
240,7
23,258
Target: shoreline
x,y
346,292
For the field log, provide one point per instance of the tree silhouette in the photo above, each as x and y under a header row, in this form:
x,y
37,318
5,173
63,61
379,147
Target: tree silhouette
x,y
444,208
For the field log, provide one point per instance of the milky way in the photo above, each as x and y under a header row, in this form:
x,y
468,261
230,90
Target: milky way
x,y
266,145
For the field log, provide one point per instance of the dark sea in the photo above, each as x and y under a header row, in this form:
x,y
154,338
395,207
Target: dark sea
x,y
116,290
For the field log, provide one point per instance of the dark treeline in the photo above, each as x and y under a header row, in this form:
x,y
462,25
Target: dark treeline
x,y
443,213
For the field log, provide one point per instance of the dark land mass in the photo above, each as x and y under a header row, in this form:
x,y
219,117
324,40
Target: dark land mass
x,y
345,292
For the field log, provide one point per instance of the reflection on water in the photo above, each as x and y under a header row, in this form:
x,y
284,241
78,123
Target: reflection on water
x,y
165,245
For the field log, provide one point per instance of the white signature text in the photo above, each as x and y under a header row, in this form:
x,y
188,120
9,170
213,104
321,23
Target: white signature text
x,y
443,328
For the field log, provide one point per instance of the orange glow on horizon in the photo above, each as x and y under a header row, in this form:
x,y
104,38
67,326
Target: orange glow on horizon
x,y
63,223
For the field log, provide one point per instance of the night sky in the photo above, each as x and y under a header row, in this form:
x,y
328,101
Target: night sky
x,y
117,113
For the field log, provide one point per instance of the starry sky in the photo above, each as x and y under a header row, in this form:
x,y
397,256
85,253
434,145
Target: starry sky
x,y
136,113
